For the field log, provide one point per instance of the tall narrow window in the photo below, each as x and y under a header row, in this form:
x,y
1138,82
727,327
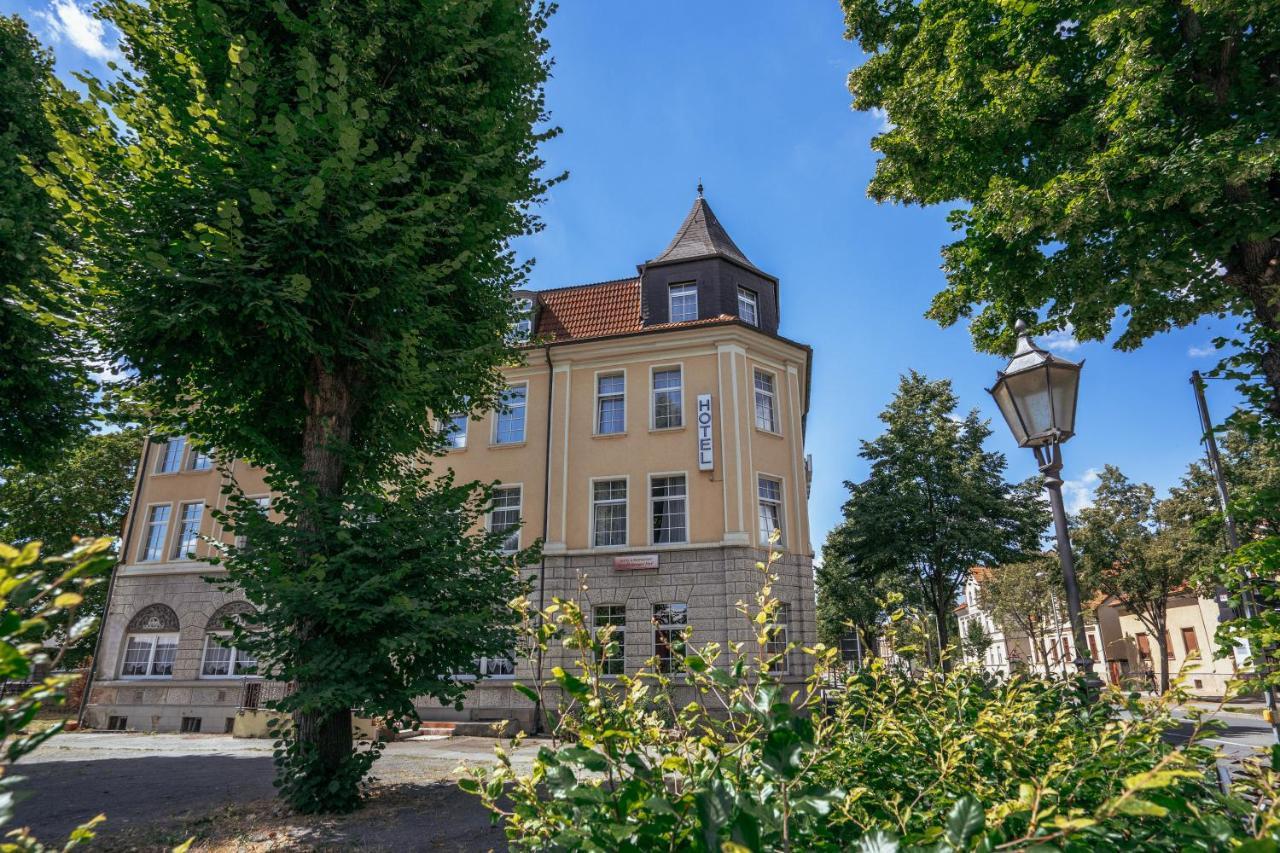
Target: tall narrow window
x,y
776,646
1144,647
668,398
670,621
505,516
455,430
172,459
609,511
770,491
509,428
684,302
611,404
200,460
613,661
670,510
264,506
1189,641
188,530
747,306
522,329
149,656
766,419
157,529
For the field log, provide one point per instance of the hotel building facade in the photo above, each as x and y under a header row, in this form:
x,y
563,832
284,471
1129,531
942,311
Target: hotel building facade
x,y
652,438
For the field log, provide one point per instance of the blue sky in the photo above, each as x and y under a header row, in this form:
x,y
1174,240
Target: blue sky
x,y
750,97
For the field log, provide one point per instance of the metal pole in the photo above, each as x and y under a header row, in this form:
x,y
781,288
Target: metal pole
x,y
1250,605
1051,467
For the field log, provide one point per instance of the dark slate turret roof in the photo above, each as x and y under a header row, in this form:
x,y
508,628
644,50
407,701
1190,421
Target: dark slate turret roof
x,y
701,235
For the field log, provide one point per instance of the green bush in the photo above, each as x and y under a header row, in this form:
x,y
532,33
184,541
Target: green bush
x,y
875,760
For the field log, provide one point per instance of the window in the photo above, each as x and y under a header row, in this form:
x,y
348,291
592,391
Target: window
x,y
264,505
684,302
747,306
505,516
188,530
668,397
1168,646
613,661
200,460
149,656
1093,647
670,621
770,492
190,725
611,404
509,428
223,660
454,428
172,459
157,529
670,523
1189,641
778,640
500,666
1144,647
609,512
523,328
765,418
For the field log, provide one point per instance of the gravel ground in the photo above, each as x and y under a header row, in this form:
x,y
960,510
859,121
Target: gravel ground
x,y
158,790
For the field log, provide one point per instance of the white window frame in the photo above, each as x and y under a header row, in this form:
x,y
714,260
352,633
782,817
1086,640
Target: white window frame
x,y
653,539
626,509
682,291
181,536
498,415
449,425
750,297
778,642
600,398
154,639
653,395
174,456
162,546
781,504
522,329
659,628
199,460
233,662
264,503
619,636
771,395
515,534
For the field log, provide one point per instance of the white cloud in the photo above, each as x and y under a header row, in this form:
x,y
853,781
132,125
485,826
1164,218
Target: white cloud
x,y
881,115
1060,340
1078,494
69,20
1201,352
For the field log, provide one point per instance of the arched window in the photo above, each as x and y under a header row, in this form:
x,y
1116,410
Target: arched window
x,y
152,643
221,657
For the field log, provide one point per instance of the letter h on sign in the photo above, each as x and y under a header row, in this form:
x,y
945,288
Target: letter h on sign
x,y
706,447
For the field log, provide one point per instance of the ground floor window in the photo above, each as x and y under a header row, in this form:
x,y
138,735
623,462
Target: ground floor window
x,y
615,615
149,656
779,637
500,666
670,621
224,660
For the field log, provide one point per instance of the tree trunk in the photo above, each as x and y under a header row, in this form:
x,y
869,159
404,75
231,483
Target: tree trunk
x,y
1164,664
1044,658
325,439
944,639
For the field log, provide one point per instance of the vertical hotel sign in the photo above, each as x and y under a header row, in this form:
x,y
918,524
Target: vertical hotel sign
x,y
706,444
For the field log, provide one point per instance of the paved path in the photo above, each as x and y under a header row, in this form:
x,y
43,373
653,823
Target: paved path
x,y
147,780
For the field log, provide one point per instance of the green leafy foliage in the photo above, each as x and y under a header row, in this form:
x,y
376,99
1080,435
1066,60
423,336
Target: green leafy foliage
x,y
300,228
45,391
872,760
35,593
1114,164
934,505
1026,598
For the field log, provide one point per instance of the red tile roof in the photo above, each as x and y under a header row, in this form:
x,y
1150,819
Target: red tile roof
x,y
600,310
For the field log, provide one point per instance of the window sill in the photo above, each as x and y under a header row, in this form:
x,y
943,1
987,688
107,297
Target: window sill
x,y
668,429
493,445
146,678
448,450
622,434
769,432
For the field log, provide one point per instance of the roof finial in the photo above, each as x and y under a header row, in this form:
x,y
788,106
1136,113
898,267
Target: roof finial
x,y
699,187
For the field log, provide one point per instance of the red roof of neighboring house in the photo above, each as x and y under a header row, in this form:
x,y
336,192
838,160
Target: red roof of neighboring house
x,y
590,310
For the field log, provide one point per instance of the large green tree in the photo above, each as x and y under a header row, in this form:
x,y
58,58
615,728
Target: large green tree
x,y
1141,551
1110,163
45,391
1025,597
82,495
303,238
935,503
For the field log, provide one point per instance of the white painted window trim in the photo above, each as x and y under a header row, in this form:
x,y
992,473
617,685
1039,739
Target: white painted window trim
x,y
180,556
595,420
687,286
688,507
626,512
655,628
653,396
151,655
754,299
782,510
524,417
775,428
181,460
488,522
619,633
209,636
145,543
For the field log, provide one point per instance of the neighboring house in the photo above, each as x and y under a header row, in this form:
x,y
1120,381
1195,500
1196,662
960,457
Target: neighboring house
x,y
654,436
1192,622
1011,648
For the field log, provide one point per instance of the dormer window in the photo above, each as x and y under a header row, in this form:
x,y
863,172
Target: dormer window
x,y
747,306
522,330
684,302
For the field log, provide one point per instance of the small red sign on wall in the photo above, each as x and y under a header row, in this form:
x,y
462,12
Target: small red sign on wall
x,y
632,562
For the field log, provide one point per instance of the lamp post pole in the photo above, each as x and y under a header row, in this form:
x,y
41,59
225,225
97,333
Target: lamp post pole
x,y
1051,468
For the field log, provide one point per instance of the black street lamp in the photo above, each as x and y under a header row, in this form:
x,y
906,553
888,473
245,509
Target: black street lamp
x,y
1037,394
